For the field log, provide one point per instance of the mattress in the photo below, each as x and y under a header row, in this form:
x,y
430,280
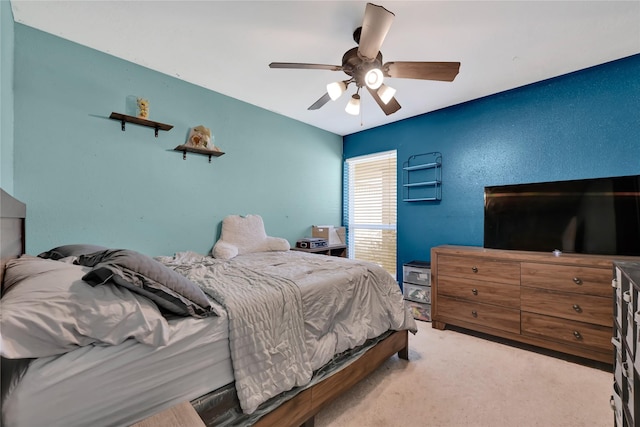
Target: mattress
x,y
341,303
124,378
346,303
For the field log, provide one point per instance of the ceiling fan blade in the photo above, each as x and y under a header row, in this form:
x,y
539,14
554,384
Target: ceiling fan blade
x,y
298,65
389,108
320,102
441,71
375,26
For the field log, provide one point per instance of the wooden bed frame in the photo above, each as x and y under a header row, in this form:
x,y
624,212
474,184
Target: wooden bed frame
x,y
12,233
302,408
297,411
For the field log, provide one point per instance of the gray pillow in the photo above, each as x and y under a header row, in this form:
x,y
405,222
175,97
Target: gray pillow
x,y
70,250
148,277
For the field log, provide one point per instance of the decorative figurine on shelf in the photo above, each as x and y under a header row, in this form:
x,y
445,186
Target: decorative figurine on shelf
x,y
200,137
143,108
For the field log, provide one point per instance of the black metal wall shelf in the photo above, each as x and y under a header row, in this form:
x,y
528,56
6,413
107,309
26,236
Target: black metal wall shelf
x,y
123,118
204,152
422,178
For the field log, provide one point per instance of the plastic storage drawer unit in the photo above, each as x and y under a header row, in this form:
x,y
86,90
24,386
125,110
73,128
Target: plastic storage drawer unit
x,y
420,311
417,272
416,286
417,293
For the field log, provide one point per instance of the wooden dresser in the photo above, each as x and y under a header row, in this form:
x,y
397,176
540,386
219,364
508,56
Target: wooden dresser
x,y
563,303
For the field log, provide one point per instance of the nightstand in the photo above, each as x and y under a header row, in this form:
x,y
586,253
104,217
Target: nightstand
x,y
333,250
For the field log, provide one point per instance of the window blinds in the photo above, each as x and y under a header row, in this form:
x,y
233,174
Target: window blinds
x,y
370,208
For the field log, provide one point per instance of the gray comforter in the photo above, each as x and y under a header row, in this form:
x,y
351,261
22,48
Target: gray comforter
x,y
291,312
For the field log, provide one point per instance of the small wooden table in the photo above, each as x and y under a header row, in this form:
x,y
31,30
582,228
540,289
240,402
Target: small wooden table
x,y
180,415
333,250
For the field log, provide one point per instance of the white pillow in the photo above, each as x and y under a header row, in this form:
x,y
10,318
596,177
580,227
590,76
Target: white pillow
x,y
243,235
49,310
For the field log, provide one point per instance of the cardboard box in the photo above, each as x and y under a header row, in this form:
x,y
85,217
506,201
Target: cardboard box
x,y
333,235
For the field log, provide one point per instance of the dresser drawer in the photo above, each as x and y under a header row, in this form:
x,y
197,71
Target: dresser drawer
x,y
567,331
582,308
491,316
567,278
479,291
479,269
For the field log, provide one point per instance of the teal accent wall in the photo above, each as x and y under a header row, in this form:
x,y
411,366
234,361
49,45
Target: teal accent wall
x,y
581,125
86,181
6,96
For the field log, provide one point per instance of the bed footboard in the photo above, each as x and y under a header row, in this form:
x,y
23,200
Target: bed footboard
x,y
300,410
221,406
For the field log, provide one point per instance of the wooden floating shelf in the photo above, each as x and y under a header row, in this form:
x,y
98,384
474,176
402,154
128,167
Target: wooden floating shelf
x,y
123,118
204,152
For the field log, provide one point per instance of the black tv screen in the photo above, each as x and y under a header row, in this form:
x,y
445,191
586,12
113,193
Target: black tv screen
x,y
591,216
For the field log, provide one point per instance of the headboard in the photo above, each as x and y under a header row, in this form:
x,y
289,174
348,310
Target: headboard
x,y
12,232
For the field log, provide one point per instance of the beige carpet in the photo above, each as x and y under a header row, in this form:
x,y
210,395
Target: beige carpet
x,y
455,379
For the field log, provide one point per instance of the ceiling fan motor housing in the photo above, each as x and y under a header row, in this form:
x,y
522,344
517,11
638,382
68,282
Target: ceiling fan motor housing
x,y
356,67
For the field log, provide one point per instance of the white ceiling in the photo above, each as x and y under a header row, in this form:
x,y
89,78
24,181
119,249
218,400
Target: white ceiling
x,y
226,46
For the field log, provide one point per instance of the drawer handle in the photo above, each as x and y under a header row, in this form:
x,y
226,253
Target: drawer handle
x,y
577,281
626,296
474,313
474,291
577,335
474,269
577,308
614,284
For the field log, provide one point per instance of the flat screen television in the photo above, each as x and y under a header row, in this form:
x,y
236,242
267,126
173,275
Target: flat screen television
x,y
591,216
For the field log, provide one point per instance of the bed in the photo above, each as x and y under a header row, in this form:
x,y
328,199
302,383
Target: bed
x,y
128,367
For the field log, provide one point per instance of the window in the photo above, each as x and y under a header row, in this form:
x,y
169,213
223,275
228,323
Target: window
x,y
370,208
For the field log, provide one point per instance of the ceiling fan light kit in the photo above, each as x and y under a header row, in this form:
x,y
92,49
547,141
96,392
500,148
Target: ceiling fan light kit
x,y
336,89
363,64
373,78
353,107
386,93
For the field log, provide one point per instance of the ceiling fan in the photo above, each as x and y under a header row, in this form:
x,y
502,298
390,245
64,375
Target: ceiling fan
x,y
365,67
